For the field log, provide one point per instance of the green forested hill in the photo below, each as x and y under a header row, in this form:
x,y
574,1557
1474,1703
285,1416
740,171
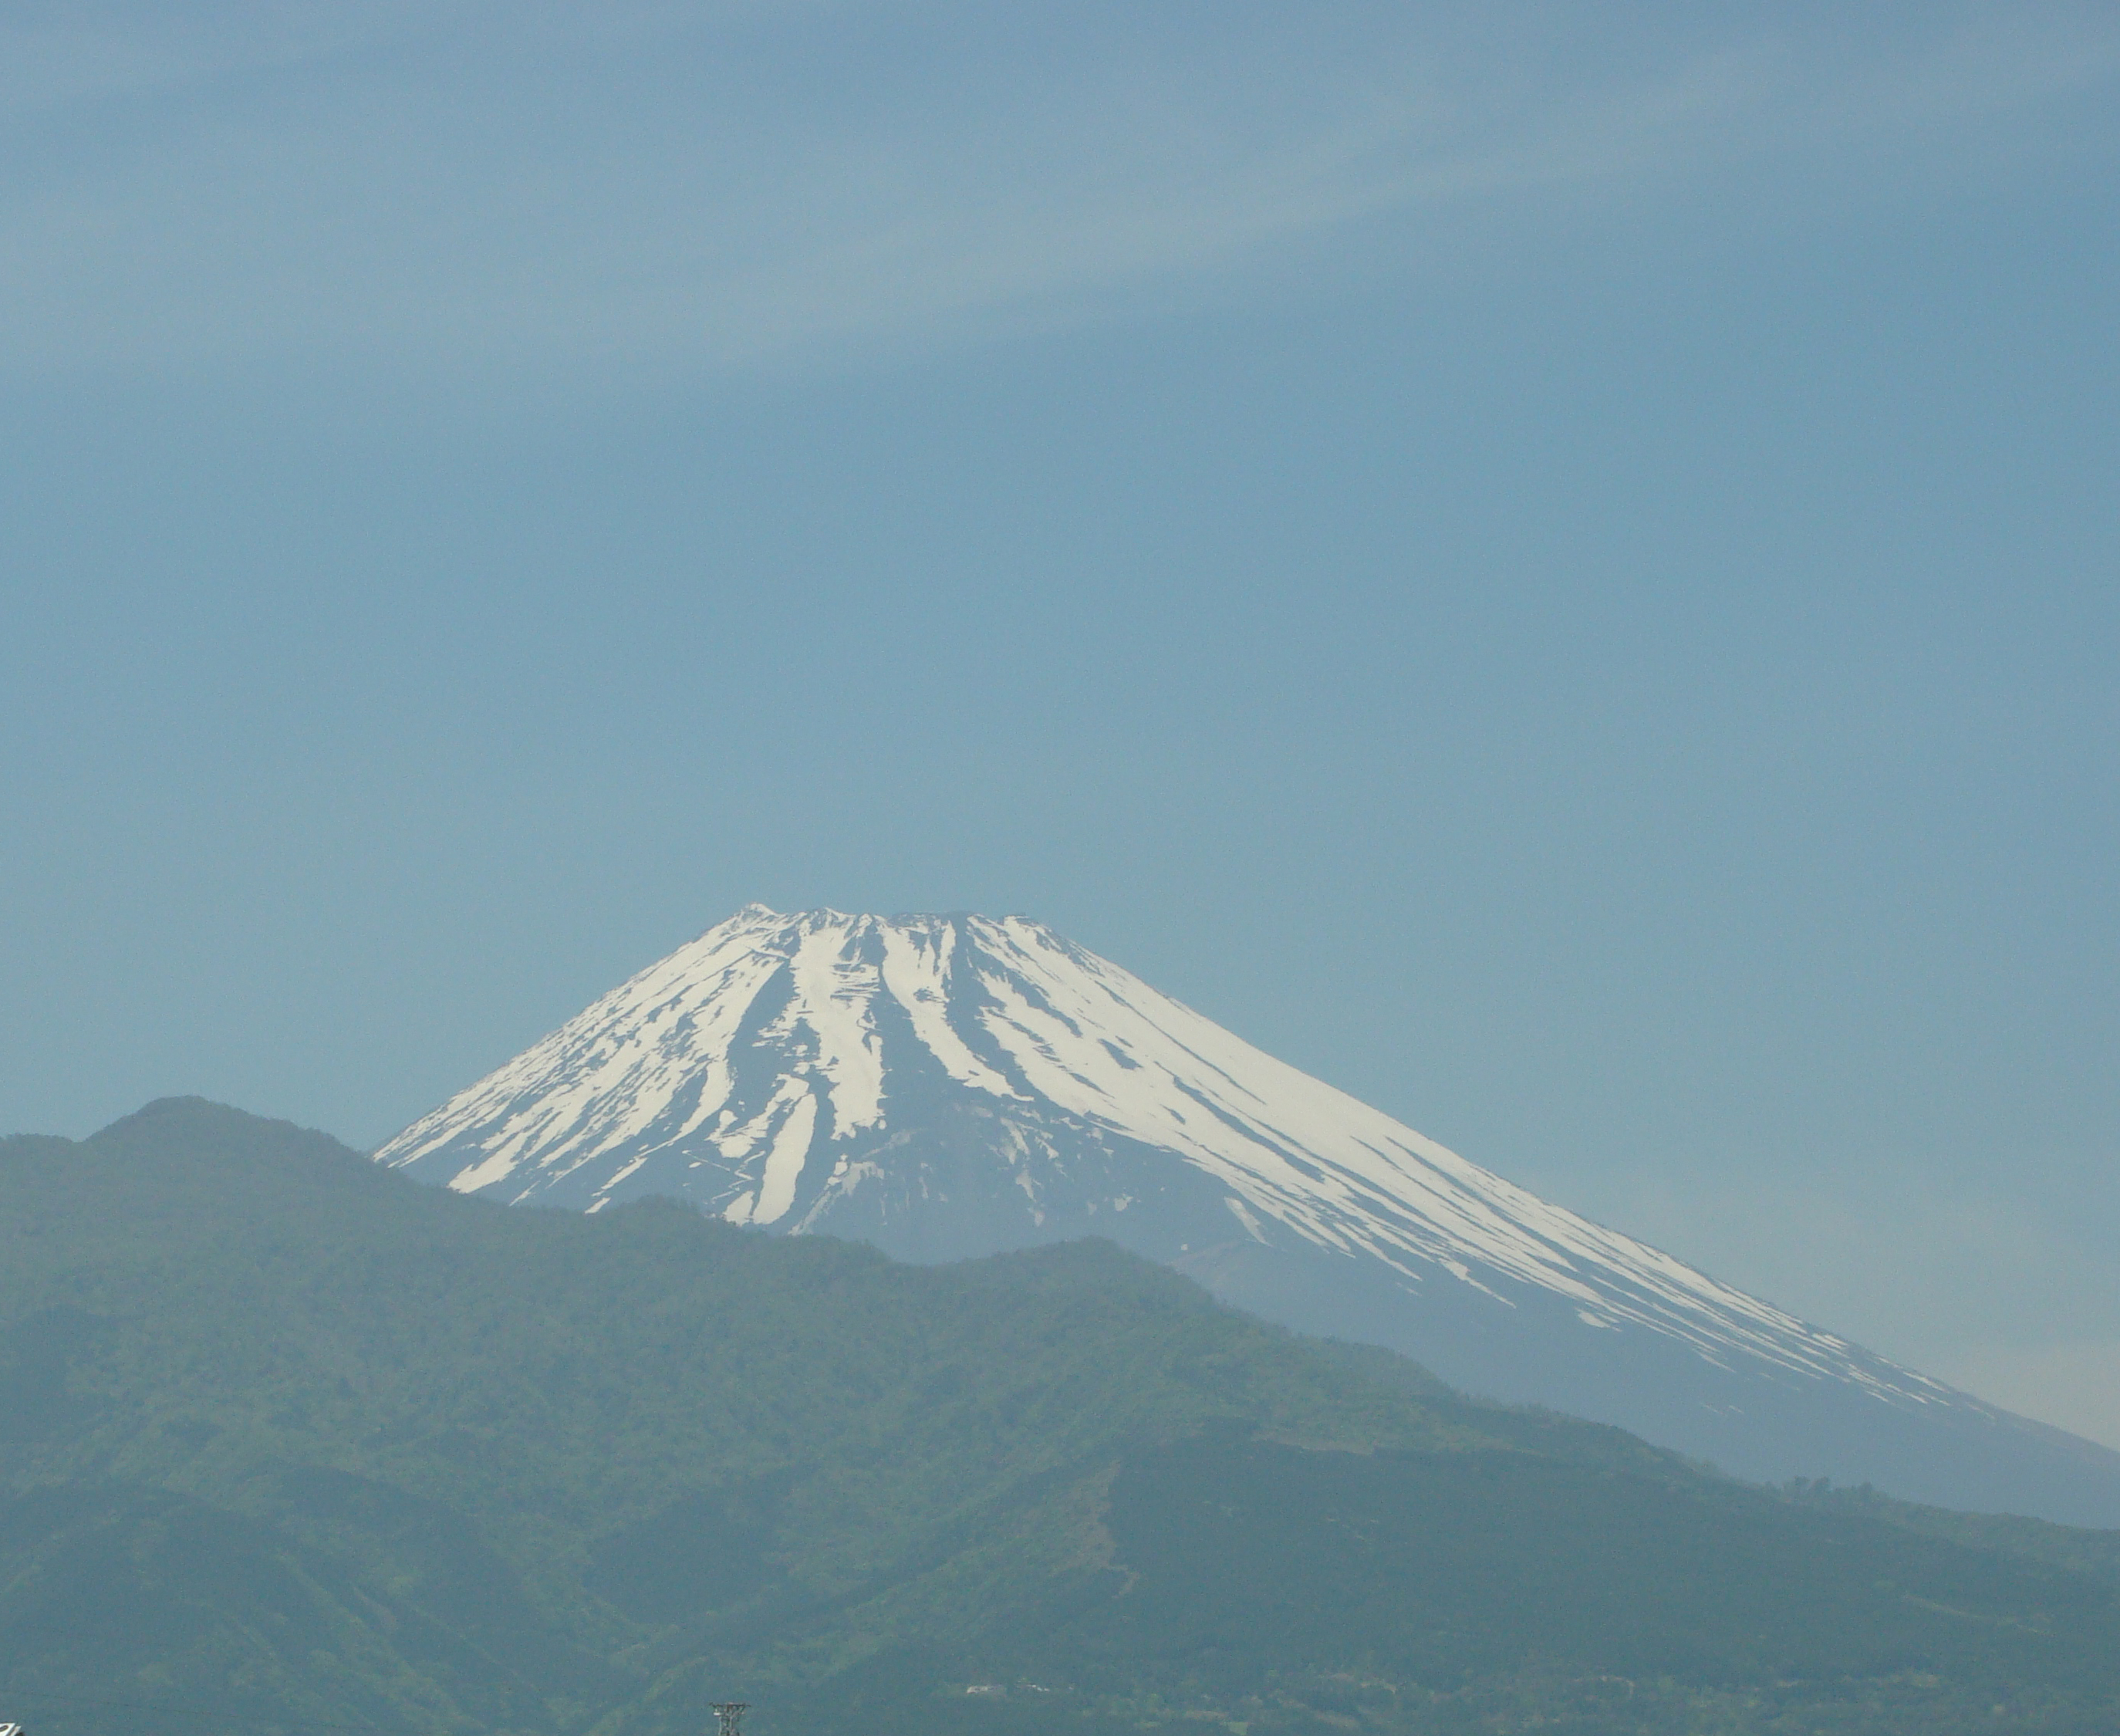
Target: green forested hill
x,y
290,1443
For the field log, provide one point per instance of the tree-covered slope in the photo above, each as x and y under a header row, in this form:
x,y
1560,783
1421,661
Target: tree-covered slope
x,y
289,1442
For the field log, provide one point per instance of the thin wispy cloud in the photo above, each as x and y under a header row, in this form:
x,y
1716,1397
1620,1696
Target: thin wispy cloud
x,y
89,54
718,186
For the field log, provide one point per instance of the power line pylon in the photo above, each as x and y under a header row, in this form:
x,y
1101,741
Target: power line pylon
x,y
728,1716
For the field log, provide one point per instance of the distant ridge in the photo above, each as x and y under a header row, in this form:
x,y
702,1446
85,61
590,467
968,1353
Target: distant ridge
x,y
293,1444
948,1086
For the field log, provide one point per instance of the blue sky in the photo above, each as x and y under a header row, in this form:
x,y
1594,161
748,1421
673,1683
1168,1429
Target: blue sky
x,y
1554,565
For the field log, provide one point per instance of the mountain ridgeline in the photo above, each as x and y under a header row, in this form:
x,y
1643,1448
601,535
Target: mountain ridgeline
x,y
954,1087
290,1442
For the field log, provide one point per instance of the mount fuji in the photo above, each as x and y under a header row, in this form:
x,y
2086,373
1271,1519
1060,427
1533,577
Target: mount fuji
x,y
947,1086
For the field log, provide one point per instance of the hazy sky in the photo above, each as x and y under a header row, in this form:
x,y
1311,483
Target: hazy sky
x,y
1557,566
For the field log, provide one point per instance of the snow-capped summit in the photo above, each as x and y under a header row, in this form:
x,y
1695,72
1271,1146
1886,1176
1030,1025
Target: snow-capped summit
x,y
947,1085
779,1069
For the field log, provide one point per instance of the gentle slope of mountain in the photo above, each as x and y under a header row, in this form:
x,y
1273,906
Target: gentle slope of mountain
x,y
286,1441
947,1086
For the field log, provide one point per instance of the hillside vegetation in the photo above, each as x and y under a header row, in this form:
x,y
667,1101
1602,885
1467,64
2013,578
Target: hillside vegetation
x,y
290,1443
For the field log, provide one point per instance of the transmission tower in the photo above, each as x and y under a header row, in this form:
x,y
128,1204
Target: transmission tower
x,y
728,1716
